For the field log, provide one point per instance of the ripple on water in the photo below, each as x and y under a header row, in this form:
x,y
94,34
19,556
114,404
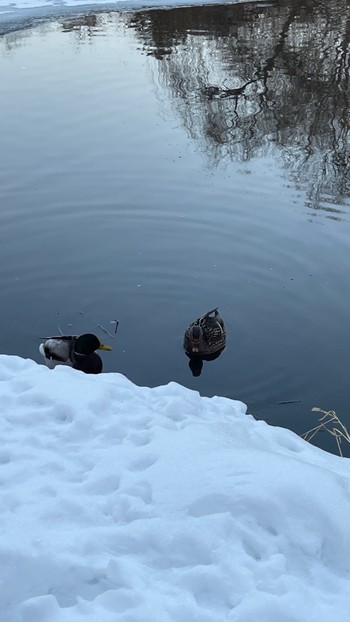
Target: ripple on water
x,y
114,201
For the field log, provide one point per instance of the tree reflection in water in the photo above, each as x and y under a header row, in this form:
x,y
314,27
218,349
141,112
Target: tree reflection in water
x,y
252,79
249,80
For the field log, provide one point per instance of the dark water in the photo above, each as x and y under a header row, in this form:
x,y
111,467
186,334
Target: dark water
x,y
159,163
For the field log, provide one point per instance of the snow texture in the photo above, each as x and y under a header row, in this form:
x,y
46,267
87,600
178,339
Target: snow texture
x,y
130,504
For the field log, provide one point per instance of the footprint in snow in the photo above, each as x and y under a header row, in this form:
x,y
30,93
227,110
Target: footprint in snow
x,y
143,463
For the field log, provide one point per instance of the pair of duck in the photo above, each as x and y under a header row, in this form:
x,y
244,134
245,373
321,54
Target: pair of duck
x,y
205,338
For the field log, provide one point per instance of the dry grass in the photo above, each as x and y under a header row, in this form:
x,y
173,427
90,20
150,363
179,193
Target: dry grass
x,y
338,430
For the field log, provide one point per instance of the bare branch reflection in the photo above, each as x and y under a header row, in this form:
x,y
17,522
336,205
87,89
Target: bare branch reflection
x,y
248,80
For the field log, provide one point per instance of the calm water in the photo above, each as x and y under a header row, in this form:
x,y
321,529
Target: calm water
x,y
157,164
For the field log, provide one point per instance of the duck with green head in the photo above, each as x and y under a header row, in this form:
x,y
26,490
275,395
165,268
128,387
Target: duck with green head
x,y
78,352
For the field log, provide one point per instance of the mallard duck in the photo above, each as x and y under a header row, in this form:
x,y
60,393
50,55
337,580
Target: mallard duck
x,y
76,351
206,335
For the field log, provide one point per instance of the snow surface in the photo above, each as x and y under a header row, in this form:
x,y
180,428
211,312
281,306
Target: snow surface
x,y
130,504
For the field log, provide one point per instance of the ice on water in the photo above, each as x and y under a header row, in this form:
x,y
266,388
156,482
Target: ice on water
x,y
24,8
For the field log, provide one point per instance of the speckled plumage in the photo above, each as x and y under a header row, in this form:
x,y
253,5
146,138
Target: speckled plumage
x,y
206,335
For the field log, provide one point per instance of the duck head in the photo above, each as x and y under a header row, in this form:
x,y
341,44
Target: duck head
x,y
195,336
87,344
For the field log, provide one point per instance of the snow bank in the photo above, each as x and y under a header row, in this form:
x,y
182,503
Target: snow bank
x,y
130,504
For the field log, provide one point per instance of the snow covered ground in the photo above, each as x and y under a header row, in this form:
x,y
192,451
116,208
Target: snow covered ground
x,y
130,504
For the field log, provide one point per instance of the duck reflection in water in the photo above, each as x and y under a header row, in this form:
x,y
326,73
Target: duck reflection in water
x,y
204,340
196,362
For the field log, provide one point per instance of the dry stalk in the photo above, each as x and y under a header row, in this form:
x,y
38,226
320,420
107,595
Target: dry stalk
x,y
339,431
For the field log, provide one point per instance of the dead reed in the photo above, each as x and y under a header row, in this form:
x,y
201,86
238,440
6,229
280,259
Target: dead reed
x,y
326,423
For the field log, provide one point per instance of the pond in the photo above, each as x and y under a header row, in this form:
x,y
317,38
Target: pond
x,y
160,163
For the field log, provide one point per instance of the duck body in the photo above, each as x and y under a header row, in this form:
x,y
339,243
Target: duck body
x,y
73,350
206,335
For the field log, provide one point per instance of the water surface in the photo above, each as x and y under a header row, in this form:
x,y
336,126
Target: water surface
x,y
159,163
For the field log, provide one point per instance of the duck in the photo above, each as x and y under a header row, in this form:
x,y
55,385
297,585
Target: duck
x,y
76,351
206,335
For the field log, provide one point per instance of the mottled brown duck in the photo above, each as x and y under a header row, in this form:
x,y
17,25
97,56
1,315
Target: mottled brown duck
x,y
206,335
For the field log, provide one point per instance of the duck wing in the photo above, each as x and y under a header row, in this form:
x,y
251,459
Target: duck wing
x,y
214,332
60,337
59,348
207,316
